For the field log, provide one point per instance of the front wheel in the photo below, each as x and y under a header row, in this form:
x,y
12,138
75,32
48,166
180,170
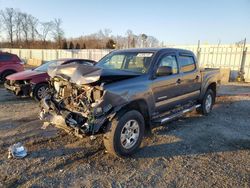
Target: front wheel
x,y
40,91
125,133
207,102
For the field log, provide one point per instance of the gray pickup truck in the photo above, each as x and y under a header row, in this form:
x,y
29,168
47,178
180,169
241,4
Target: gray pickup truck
x,y
127,93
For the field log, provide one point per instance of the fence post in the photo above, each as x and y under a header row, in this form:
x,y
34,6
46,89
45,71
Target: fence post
x,y
57,56
240,77
72,53
90,54
42,55
241,73
30,54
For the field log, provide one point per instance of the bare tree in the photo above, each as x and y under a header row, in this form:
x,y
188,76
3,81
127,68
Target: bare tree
x,y
121,41
143,38
46,29
130,34
18,26
107,32
58,33
25,30
25,27
8,17
152,42
33,22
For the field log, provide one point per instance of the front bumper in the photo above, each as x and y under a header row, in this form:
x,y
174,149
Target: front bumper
x,y
51,113
18,89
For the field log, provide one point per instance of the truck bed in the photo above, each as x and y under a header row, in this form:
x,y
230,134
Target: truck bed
x,y
206,73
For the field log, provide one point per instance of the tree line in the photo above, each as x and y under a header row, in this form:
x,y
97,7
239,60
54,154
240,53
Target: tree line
x,y
22,30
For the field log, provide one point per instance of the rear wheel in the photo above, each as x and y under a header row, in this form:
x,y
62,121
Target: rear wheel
x,y
6,73
40,91
125,133
207,102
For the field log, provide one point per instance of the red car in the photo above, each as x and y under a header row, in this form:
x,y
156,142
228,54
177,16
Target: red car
x,y
34,82
9,64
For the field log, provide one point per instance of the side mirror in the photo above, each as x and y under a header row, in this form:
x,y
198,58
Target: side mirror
x,y
164,71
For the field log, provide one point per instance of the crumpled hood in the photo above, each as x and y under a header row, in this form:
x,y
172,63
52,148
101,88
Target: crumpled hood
x,y
85,74
25,75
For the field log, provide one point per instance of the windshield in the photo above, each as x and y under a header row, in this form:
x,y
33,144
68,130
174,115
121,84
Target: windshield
x,y
138,62
44,67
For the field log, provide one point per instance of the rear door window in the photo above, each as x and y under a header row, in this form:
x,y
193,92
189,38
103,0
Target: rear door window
x,y
187,63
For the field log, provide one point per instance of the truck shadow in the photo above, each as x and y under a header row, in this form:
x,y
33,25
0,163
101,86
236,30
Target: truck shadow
x,y
233,89
198,135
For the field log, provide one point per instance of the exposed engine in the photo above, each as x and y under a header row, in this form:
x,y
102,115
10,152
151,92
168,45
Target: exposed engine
x,y
72,104
76,98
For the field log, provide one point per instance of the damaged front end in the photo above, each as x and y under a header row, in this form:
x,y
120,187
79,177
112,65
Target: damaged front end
x,y
77,100
77,107
18,87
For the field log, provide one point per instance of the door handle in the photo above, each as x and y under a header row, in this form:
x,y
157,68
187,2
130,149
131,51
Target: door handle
x,y
178,81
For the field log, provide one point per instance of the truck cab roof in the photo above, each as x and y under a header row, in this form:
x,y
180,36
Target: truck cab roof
x,y
154,50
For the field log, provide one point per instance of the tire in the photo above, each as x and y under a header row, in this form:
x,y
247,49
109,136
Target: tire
x,y
38,89
207,102
115,139
6,73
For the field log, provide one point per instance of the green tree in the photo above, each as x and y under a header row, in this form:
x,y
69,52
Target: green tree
x,y
71,45
58,32
110,44
78,46
65,45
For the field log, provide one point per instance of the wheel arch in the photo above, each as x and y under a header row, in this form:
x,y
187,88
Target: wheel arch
x,y
141,106
210,85
213,86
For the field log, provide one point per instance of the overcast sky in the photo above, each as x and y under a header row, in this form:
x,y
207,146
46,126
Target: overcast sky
x,y
174,22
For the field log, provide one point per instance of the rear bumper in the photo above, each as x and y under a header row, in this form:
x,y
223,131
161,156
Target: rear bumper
x,y
19,89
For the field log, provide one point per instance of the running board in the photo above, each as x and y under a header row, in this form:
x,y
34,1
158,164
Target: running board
x,y
178,114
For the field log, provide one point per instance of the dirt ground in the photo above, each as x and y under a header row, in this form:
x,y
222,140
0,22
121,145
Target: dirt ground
x,y
195,151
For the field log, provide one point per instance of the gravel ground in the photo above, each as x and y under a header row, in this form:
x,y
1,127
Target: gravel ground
x,y
195,151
